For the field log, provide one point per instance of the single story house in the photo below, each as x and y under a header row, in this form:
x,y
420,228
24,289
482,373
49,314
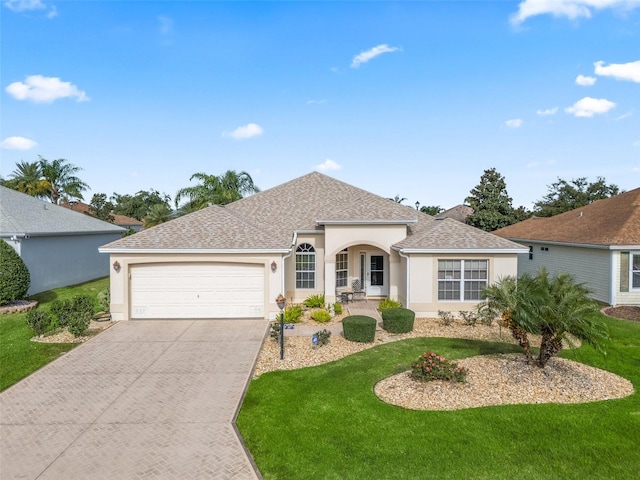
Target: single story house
x,y
58,246
599,244
313,235
120,220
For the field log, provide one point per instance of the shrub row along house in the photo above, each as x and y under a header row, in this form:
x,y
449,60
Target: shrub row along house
x,y
599,244
311,235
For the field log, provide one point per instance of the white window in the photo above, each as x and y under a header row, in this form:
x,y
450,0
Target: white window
x,y
634,265
462,280
342,269
305,266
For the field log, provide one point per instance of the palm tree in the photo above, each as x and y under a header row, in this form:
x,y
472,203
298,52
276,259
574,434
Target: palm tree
x,y
158,213
27,178
398,199
62,179
220,190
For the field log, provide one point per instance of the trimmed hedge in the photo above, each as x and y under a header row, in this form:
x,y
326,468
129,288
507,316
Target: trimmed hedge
x,y
359,328
398,320
14,275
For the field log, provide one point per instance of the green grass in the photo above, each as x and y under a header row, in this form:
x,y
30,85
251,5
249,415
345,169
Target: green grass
x,y
326,423
19,356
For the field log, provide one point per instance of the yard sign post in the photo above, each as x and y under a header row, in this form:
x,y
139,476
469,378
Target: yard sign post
x,y
281,302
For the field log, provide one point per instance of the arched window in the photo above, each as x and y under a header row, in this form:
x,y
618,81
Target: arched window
x,y
305,266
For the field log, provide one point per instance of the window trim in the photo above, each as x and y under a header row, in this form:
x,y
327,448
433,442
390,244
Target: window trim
x,y
345,270
461,280
633,288
308,250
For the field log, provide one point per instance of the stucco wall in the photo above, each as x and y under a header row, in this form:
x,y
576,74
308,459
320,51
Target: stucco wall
x,y
64,260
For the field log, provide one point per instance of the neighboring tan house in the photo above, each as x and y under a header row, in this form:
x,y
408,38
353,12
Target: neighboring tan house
x,y
599,244
311,235
59,247
459,213
119,220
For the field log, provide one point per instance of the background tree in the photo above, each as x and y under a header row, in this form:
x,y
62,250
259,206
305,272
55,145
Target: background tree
x,y
219,190
564,196
101,208
398,199
27,178
158,213
63,184
139,205
491,204
432,210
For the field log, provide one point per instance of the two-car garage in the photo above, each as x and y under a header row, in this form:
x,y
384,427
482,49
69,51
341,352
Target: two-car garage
x,y
197,290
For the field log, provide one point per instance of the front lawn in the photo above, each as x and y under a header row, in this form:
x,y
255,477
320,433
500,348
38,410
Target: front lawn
x,y
326,423
19,356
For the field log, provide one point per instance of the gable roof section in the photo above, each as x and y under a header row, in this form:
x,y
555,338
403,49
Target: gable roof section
x,y
23,214
613,221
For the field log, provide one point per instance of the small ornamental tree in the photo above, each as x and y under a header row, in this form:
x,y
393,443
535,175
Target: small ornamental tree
x,y
14,275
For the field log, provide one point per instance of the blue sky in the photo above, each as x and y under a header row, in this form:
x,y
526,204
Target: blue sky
x,y
404,98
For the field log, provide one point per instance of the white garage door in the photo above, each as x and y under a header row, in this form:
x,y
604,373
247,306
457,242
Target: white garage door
x,y
197,290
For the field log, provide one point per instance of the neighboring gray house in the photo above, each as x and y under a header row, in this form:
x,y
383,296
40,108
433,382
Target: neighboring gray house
x,y
59,246
599,244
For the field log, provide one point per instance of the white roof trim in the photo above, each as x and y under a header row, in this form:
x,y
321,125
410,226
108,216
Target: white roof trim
x,y
192,250
462,250
365,222
580,245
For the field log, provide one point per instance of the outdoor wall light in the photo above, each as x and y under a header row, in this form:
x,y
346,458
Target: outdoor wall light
x,y
116,266
274,266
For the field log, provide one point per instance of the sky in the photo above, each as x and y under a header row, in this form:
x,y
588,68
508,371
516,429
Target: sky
x,y
414,99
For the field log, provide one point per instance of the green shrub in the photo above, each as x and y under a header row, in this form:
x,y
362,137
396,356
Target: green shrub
x,y
446,318
39,321
314,301
398,320
62,311
104,300
321,316
359,328
14,275
323,337
82,307
337,308
388,303
431,366
293,314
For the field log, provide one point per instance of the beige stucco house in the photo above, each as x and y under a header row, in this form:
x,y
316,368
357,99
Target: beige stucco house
x,y
311,235
599,244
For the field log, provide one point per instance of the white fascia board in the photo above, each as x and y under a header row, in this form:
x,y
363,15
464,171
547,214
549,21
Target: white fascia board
x,y
624,247
308,232
365,222
462,250
182,251
562,244
61,234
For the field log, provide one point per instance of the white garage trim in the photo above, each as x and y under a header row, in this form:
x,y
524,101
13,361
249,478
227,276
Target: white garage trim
x,y
197,290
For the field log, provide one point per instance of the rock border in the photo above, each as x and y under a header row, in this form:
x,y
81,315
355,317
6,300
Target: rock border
x,y
18,306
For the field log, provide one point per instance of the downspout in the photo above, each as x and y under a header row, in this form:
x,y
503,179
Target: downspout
x,y
407,286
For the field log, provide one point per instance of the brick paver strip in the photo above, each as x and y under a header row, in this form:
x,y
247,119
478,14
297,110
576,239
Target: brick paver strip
x,y
144,399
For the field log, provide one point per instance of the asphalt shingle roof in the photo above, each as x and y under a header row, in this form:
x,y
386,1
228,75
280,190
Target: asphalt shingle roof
x,y
267,220
21,213
612,221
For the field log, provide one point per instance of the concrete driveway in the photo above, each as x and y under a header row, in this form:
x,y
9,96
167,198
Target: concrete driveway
x,y
144,399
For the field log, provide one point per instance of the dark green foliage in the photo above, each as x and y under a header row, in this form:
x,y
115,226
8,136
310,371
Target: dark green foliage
x,y
398,320
82,307
564,196
61,310
432,210
388,303
491,204
63,184
359,328
430,366
216,189
139,205
104,299
323,337
293,314
14,275
39,321
321,316
101,208
314,301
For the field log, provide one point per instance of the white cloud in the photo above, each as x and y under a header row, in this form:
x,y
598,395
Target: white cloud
x,y
585,81
514,123
547,112
364,57
328,165
166,24
248,131
29,5
619,71
41,89
588,107
571,9
18,143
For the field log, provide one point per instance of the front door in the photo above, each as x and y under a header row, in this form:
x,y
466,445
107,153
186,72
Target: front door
x,y
373,274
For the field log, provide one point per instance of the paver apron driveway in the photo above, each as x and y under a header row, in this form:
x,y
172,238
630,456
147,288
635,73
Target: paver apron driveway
x,y
144,399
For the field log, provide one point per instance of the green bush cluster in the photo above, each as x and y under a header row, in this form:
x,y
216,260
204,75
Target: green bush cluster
x,y
398,320
388,303
74,314
39,321
321,316
314,301
431,366
14,275
293,314
359,328
323,337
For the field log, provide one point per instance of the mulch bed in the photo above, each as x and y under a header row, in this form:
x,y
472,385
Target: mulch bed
x,y
624,312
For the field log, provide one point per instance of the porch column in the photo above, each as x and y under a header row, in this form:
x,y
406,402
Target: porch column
x,y
330,281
